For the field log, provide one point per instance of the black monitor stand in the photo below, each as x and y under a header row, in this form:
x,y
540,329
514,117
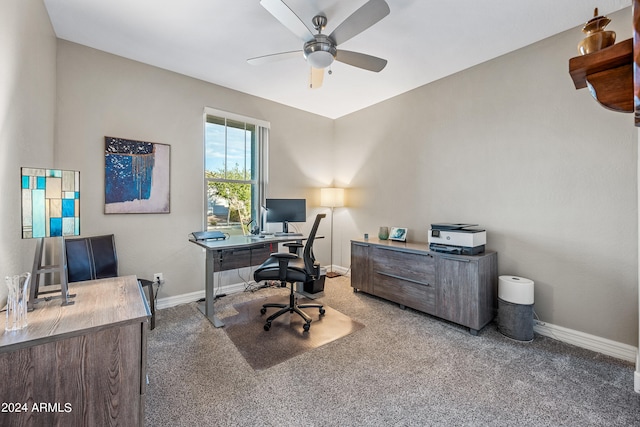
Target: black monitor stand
x,y
285,226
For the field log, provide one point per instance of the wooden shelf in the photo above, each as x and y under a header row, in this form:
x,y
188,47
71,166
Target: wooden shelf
x,y
608,74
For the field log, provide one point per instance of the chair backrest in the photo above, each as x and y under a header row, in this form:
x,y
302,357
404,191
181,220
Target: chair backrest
x,y
91,258
79,263
307,254
105,259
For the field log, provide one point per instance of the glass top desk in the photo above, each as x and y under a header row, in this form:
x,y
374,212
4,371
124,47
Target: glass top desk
x,y
219,251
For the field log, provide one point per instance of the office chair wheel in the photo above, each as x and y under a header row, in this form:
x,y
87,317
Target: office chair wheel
x,y
263,310
267,326
306,326
322,311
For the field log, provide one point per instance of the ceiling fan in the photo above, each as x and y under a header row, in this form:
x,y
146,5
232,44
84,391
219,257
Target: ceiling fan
x,y
321,50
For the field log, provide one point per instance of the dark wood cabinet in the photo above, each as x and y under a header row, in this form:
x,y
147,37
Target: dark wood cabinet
x,y
609,75
458,288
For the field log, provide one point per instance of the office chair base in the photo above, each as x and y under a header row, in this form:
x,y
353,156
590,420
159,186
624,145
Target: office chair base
x,y
292,307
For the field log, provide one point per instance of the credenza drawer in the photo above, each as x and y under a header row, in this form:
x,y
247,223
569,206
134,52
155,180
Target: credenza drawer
x,y
420,295
231,259
412,266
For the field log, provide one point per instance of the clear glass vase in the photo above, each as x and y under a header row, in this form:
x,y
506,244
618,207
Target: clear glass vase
x,y
17,301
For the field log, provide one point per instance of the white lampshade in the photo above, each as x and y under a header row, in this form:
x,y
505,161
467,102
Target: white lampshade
x,y
320,59
332,197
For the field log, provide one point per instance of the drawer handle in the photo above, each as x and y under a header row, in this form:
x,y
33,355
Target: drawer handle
x,y
406,251
395,250
456,259
393,276
360,244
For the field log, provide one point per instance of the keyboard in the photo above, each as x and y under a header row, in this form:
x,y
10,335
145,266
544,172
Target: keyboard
x,y
282,234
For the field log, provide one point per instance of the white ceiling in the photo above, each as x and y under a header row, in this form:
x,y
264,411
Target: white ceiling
x,y
212,39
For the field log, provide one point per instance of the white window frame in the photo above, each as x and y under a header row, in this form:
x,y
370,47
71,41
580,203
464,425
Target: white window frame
x,y
261,177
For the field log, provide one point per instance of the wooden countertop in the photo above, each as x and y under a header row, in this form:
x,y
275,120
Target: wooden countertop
x,y
98,304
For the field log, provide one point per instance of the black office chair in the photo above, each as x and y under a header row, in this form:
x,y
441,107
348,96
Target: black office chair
x,y
290,268
90,258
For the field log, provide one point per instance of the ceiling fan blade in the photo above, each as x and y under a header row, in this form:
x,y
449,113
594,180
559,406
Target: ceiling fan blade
x,y
275,57
370,13
316,76
288,18
360,60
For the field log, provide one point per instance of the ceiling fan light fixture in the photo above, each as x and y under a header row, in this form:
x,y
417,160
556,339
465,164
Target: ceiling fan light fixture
x,y
320,52
320,59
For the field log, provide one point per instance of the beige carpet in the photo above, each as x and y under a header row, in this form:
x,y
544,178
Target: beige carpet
x,y
404,368
286,338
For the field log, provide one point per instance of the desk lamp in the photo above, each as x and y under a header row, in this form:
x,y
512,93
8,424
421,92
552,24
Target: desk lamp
x,y
50,208
332,198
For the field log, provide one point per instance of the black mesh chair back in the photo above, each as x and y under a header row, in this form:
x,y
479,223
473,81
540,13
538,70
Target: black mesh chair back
x,y
290,268
311,267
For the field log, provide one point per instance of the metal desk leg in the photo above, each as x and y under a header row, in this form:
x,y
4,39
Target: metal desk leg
x,y
207,307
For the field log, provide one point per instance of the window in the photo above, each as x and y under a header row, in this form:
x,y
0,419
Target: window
x,y
234,171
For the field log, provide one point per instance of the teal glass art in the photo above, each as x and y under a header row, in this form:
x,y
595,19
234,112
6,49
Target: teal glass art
x,y
50,203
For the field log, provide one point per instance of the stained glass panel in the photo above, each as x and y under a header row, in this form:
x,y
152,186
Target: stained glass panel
x,y
50,203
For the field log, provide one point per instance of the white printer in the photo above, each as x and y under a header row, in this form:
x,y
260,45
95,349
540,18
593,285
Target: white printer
x,y
463,239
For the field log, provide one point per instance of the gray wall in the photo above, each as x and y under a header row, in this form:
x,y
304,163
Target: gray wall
x,y
512,146
27,118
101,94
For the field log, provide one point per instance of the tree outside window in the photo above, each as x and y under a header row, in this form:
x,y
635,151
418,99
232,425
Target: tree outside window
x,y
230,174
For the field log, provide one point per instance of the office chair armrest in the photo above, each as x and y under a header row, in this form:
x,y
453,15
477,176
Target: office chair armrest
x,y
293,247
284,255
283,262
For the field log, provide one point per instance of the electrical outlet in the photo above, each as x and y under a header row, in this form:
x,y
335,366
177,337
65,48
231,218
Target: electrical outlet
x,y
158,278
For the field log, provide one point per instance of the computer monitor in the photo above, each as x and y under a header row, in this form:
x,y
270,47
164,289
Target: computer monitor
x,y
286,211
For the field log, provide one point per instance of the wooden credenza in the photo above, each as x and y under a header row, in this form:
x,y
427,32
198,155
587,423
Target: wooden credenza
x,y
78,365
458,288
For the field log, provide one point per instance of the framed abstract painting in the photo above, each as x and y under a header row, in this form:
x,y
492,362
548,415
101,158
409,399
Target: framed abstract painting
x,y
137,176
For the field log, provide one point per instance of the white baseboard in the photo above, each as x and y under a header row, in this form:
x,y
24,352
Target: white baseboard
x,y
179,299
590,342
338,269
577,338
198,295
